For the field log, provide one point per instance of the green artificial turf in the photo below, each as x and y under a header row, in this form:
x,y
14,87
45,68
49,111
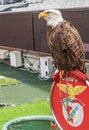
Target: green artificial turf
x,y
28,94
38,108
30,89
8,81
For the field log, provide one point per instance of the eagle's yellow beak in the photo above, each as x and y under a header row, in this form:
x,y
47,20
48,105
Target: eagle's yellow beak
x,y
42,15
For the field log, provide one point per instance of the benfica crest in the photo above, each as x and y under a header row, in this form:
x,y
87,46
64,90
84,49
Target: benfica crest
x,y
69,101
72,107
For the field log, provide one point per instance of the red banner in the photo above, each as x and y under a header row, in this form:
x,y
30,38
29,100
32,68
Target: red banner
x,y
70,103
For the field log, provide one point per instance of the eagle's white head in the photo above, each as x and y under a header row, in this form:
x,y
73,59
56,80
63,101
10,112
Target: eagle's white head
x,y
53,17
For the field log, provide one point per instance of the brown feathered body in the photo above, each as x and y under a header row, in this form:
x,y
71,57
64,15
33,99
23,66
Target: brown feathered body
x,y
66,46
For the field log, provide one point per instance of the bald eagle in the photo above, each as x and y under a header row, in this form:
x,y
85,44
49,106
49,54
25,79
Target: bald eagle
x,y
64,42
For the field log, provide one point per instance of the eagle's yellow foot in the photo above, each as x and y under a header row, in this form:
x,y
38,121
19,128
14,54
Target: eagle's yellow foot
x,y
61,74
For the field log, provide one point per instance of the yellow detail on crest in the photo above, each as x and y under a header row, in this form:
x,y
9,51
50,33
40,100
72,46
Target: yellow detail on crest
x,y
74,116
72,91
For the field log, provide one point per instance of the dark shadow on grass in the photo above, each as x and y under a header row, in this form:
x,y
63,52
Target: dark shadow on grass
x,y
24,76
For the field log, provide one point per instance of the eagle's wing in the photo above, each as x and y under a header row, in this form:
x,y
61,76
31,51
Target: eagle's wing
x,y
62,87
74,46
66,87
73,40
79,89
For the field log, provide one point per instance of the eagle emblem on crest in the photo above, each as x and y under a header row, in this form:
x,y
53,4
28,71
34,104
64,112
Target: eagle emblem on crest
x,y
72,91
